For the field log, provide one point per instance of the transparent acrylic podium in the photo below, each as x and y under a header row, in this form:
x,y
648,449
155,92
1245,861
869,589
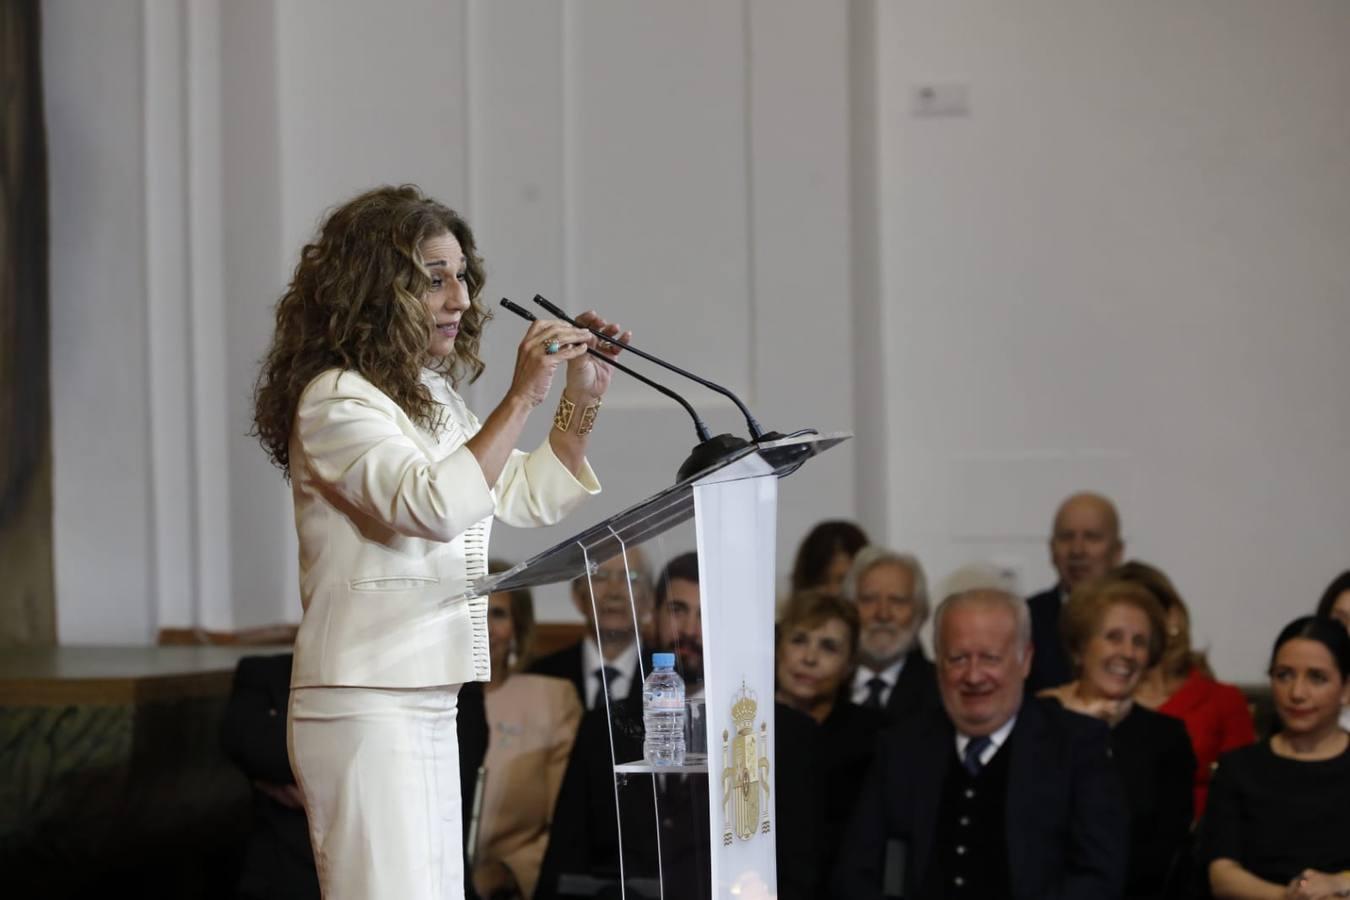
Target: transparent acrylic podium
x,y
707,828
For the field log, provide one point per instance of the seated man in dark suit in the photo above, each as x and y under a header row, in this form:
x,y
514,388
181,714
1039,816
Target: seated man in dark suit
x,y
279,861
890,593
1084,544
992,795
584,837
583,664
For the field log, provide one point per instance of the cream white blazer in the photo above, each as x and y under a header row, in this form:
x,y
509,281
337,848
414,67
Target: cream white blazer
x,y
393,524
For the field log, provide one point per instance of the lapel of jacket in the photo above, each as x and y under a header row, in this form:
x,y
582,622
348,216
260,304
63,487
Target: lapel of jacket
x,y
1027,763
576,670
934,754
906,695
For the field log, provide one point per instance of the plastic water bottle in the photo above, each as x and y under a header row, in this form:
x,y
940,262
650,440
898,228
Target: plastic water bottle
x,y
663,713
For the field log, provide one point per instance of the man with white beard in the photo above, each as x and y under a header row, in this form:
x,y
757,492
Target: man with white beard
x,y
891,595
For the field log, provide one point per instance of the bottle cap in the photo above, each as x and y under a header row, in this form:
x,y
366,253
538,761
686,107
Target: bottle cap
x,y
663,660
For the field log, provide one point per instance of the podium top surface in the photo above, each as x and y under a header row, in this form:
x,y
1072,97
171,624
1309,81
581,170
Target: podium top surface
x,y
662,511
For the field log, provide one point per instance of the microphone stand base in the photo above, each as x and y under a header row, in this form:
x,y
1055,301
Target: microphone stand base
x,y
710,453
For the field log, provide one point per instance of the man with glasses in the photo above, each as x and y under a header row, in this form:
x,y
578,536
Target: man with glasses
x,y
613,662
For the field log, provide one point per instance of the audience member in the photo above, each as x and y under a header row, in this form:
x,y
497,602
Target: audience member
x,y
533,721
1278,820
1114,633
825,554
583,663
584,838
817,643
1084,544
991,795
890,593
1216,715
278,861
679,619
1335,604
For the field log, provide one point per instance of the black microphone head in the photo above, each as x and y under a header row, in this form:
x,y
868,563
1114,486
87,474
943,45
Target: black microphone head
x,y
552,308
518,310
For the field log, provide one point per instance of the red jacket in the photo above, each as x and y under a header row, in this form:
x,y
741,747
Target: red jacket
x,y
1217,719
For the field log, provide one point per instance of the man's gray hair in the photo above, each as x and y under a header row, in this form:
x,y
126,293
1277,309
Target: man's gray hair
x,y
987,597
871,556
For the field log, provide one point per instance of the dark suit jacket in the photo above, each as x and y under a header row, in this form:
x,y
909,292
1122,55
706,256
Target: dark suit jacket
x,y
915,690
1066,813
584,836
1157,766
278,861
1050,662
566,663
471,725
846,745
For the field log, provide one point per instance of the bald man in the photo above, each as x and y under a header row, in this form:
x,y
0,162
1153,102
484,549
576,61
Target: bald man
x,y
1084,544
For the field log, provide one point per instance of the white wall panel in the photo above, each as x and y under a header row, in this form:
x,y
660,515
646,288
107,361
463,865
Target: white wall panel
x,y
103,516
1124,269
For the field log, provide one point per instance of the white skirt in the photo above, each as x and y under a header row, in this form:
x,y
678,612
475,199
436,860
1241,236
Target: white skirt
x,y
379,768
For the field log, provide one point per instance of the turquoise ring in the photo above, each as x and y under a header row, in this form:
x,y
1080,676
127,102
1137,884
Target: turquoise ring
x,y
551,347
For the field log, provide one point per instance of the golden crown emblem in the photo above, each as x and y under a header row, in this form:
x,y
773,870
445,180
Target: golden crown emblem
x,y
744,706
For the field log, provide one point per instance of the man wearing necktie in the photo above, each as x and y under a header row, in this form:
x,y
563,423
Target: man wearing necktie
x,y
990,795
891,595
622,587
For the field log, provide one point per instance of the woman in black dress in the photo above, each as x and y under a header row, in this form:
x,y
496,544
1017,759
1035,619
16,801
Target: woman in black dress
x,y
1278,821
816,649
1115,632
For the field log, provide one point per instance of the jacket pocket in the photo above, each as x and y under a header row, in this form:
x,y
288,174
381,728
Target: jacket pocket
x,y
393,583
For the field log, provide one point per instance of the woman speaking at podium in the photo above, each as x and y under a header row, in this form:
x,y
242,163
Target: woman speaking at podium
x,y
396,484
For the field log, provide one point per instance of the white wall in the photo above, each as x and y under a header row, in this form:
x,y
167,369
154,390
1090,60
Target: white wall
x,y
1125,270
102,505
648,161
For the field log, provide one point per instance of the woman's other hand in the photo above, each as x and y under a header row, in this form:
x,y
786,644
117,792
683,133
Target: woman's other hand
x,y
587,376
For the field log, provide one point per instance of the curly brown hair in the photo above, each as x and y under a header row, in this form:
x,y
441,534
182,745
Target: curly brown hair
x,y
354,303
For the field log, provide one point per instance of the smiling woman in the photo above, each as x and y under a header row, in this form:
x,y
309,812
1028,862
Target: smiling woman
x,y
1114,632
396,484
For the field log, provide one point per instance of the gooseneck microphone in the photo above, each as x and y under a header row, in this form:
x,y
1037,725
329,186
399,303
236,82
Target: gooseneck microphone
x,y
699,427
756,433
710,451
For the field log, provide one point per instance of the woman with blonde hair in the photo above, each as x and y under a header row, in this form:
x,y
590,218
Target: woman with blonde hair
x,y
1113,631
816,650
395,486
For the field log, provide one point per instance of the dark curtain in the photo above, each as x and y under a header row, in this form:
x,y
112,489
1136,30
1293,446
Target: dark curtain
x,y
27,604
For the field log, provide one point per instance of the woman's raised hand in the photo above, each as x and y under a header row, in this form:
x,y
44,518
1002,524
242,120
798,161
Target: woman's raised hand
x,y
587,376
547,344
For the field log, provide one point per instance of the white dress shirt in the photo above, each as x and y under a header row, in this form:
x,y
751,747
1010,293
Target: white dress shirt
x,y
890,675
996,741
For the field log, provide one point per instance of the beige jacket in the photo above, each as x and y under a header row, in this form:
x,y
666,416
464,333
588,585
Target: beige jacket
x,y
533,721
393,524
